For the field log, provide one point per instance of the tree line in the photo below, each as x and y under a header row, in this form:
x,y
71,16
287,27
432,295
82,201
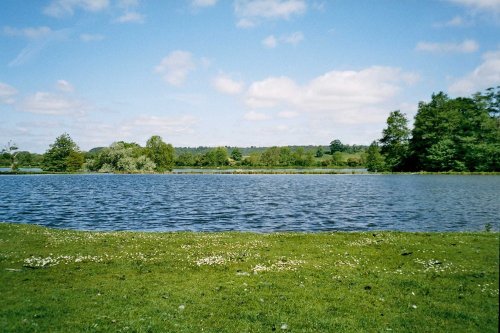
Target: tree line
x,y
448,134
64,155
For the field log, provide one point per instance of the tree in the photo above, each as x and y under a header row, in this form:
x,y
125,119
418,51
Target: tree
x,y
336,145
10,151
122,157
286,157
236,154
461,134
160,153
185,159
374,160
214,157
62,155
271,157
302,158
337,158
74,161
220,156
252,160
395,141
319,152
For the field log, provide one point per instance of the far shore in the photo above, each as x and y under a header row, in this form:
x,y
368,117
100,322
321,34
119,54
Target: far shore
x,y
258,171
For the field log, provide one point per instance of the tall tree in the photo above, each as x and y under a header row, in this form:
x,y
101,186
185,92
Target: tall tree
x,y
461,134
336,145
374,160
161,153
395,141
61,156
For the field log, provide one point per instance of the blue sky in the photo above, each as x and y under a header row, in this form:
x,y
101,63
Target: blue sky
x,y
242,72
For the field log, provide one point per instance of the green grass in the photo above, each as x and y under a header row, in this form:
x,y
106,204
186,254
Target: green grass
x,y
67,281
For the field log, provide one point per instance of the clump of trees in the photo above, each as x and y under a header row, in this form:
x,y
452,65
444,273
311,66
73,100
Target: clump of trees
x,y
15,159
449,134
121,156
63,156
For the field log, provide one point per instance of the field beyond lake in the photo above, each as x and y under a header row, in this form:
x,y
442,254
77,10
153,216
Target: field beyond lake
x,y
60,281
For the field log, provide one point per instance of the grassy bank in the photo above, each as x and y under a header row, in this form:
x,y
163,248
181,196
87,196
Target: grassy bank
x,y
64,281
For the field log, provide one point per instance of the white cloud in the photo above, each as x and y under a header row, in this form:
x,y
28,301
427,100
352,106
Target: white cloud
x,y
456,21
131,17
128,3
486,75
227,85
203,3
481,5
293,39
64,86
31,33
7,93
146,125
91,37
62,8
288,114
272,91
467,46
256,116
346,96
175,67
245,23
270,42
95,133
251,11
39,38
140,128
52,104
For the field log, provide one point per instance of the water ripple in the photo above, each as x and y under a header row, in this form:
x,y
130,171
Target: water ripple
x,y
261,203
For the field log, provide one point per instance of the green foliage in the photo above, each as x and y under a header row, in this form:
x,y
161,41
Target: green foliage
x,y
286,157
395,141
319,152
216,157
27,159
63,156
252,160
70,281
236,155
121,157
10,154
271,157
185,159
338,158
74,161
160,153
461,134
374,160
336,146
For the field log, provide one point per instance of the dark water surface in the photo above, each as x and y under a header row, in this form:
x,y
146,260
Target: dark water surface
x,y
261,203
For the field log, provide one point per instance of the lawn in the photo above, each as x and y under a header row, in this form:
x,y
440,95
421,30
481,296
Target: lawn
x,y
72,281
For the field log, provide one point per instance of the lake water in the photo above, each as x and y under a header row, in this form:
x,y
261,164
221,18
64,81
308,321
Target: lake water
x,y
260,203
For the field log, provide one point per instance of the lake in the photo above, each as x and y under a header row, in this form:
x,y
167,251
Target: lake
x,y
259,203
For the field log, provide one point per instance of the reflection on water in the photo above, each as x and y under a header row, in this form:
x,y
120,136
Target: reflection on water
x,y
261,203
